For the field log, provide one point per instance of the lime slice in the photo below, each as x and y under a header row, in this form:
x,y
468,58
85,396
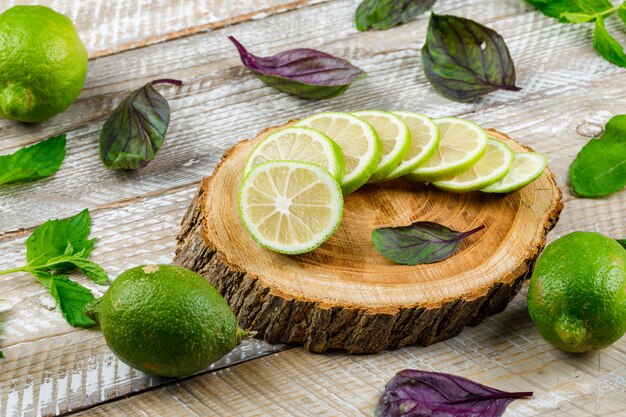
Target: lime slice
x,y
289,206
492,167
424,142
299,144
527,167
462,144
359,142
394,136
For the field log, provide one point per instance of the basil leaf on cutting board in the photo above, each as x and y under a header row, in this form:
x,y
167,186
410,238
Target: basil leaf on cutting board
x,y
413,393
600,167
135,131
60,246
33,162
303,72
384,14
463,59
419,243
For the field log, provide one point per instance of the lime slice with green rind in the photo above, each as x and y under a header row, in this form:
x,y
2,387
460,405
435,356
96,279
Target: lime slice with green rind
x,y
394,136
492,167
290,207
526,168
298,144
358,140
462,144
424,142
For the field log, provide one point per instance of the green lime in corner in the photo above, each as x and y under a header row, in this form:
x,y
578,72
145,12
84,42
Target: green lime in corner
x,y
43,63
165,320
577,293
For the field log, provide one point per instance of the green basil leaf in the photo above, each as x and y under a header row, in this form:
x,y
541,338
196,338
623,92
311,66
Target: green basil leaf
x,y
571,17
600,167
33,162
608,47
133,134
556,8
70,296
463,59
622,242
92,270
419,243
621,12
53,238
384,14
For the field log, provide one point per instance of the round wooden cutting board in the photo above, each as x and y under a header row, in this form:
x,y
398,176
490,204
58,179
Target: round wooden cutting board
x,y
344,295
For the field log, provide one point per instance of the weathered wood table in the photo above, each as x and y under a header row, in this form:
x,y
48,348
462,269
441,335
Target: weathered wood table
x,y
568,93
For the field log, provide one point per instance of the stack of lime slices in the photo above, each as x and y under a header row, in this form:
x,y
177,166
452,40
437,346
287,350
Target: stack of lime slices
x,y
291,197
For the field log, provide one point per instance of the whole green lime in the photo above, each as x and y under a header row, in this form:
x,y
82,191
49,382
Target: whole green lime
x,y
165,320
577,293
43,63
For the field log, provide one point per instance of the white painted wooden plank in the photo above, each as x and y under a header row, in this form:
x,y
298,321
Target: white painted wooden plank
x,y
51,367
222,103
505,351
107,27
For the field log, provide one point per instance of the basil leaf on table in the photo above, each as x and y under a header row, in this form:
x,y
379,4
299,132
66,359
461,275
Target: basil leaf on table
x,y
59,246
419,243
33,162
413,393
558,8
53,238
621,12
600,167
607,46
303,72
463,59
384,14
134,132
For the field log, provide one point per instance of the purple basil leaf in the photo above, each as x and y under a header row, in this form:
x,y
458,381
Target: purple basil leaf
x,y
303,72
134,132
413,393
419,243
384,14
463,59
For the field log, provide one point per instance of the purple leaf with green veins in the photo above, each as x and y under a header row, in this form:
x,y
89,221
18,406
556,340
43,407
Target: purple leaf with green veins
x,y
419,243
463,59
413,393
135,131
303,72
384,14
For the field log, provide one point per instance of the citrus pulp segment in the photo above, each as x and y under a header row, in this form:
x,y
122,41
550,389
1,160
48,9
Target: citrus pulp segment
x,y
462,144
359,142
394,136
527,167
289,206
492,167
298,144
424,142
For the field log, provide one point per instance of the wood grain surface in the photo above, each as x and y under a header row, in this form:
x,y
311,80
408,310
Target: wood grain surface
x,y
568,93
344,295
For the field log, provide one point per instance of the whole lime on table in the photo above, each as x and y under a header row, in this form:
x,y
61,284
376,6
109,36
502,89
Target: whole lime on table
x,y
43,63
577,293
165,320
